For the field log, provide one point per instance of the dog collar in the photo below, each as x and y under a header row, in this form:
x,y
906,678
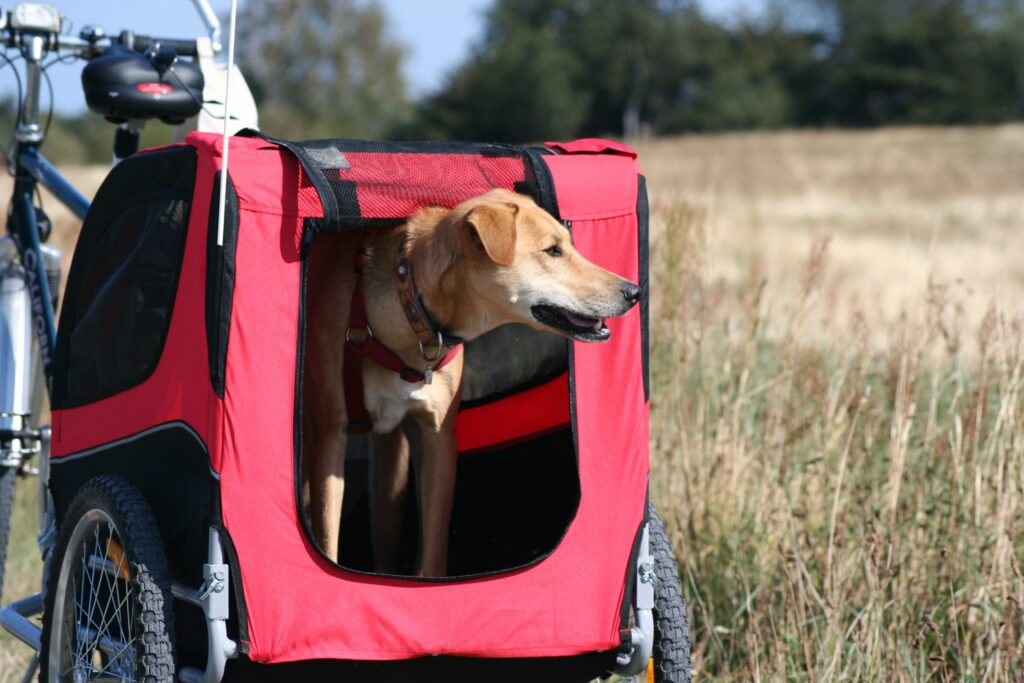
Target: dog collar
x,y
360,343
427,331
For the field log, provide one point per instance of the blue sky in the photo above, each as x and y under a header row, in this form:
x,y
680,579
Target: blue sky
x,y
438,33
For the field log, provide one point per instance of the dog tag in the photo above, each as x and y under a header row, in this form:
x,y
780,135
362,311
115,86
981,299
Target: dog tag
x,y
428,375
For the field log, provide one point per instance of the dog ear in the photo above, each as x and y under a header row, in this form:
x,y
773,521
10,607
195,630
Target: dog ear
x,y
493,228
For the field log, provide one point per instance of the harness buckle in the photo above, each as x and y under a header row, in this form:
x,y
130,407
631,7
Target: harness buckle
x,y
437,355
364,335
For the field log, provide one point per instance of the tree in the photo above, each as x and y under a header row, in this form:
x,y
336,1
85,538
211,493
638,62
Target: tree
x,y
564,68
322,68
550,69
518,89
924,61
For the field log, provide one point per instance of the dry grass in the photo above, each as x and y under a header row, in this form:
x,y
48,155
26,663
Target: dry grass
x,y
837,362
837,366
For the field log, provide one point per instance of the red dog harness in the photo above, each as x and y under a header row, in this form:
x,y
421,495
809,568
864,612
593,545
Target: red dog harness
x,y
360,343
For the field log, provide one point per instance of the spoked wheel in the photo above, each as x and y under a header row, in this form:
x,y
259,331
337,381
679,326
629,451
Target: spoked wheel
x,y
670,659
108,602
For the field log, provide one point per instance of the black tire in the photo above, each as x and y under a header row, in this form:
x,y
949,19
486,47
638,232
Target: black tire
x,y
671,631
111,522
8,476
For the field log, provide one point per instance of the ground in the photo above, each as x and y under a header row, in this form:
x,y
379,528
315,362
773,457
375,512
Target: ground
x,y
837,365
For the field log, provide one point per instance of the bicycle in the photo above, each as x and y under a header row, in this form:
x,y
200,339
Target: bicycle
x,y
30,271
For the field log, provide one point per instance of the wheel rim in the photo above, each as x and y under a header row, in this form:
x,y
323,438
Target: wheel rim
x,y
94,621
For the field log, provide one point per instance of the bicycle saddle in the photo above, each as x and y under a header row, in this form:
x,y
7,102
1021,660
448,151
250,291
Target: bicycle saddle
x,y
122,84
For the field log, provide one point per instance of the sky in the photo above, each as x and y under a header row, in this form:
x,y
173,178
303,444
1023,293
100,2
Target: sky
x,y
438,34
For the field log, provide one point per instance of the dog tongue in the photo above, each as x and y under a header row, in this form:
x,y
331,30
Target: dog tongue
x,y
580,321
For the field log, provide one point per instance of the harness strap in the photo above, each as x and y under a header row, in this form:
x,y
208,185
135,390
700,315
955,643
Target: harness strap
x,y
360,343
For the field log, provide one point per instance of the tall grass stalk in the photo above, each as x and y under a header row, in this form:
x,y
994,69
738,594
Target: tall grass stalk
x,y
840,512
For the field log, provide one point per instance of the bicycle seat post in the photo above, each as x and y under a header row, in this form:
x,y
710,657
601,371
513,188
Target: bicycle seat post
x,y
29,130
126,139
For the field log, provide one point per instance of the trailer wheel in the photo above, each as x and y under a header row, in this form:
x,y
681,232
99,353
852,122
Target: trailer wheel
x,y
671,660
8,476
109,612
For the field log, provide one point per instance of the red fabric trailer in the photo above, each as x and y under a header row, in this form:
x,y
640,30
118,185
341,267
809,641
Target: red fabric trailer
x,y
200,410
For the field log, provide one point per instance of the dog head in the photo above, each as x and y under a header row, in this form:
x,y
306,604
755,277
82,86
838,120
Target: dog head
x,y
500,258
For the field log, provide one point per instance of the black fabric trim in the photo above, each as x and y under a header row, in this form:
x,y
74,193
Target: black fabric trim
x,y
545,182
357,223
643,213
241,612
309,229
574,669
627,595
142,178
171,467
220,281
319,181
486,149
345,192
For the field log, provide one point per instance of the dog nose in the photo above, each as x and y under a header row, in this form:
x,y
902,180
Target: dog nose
x,y
631,293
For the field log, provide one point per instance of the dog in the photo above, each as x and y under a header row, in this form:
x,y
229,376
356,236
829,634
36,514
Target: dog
x,y
443,275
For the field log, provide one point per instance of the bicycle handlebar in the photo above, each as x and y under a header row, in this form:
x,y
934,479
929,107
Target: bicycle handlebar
x,y
142,43
88,48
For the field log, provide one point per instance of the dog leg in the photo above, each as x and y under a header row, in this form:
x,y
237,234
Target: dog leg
x,y
437,492
389,488
327,488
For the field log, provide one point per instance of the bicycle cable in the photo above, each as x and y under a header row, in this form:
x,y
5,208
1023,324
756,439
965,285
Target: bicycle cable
x,y
17,114
201,103
49,114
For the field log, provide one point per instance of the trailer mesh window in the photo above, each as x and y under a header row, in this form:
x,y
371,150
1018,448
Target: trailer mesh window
x,y
121,287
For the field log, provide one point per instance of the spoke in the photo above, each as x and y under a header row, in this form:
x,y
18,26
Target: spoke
x,y
117,656
124,635
93,599
104,618
67,633
83,613
102,629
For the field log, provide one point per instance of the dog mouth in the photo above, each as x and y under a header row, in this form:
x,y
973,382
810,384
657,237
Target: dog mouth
x,y
573,325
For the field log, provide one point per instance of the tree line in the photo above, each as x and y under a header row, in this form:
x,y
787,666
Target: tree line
x,y
574,68
567,68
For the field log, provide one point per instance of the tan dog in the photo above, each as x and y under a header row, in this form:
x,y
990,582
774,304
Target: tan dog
x,y
492,260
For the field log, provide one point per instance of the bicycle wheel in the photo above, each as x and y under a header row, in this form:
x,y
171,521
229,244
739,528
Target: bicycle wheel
x,y
108,610
671,660
8,476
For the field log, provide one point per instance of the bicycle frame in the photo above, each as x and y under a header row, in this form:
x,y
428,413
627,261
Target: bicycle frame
x,y
33,168
27,306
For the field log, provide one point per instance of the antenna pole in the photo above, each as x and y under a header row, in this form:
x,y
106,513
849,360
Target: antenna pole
x,y
227,121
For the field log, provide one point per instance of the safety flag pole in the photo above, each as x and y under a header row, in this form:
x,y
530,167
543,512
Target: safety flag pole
x,y
227,121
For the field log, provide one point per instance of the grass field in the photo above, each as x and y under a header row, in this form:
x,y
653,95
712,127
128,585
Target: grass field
x,y
837,437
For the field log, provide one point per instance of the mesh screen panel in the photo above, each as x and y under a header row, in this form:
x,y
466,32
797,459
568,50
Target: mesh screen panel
x,y
388,182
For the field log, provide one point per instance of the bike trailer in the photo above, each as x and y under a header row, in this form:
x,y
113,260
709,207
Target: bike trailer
x,y
178,367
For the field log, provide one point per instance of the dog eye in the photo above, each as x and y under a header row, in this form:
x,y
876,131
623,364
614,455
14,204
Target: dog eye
x,y
554,250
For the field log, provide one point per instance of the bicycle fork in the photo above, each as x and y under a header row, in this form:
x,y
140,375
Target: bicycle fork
x,y
22,386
